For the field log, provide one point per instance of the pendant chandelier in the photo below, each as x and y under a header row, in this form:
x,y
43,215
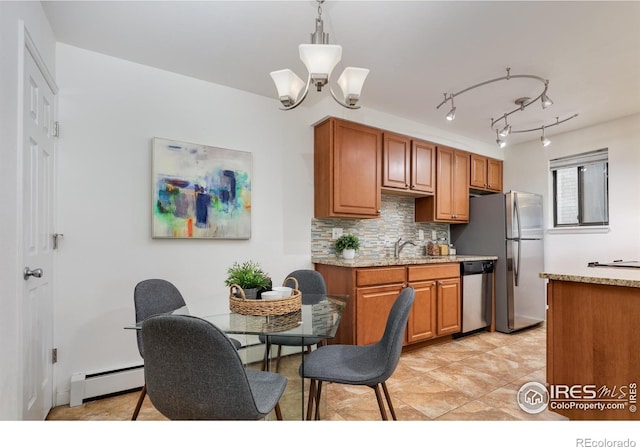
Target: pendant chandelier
x,y
320,58
522,104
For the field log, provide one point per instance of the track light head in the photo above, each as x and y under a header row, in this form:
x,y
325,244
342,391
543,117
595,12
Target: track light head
x,y
452,114
545,101
499,142
544,140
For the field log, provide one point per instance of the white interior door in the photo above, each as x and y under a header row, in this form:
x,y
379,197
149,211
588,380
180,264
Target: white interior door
x,y
37,301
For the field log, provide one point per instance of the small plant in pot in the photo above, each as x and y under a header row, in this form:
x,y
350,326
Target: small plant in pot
x,y
250,276
347,244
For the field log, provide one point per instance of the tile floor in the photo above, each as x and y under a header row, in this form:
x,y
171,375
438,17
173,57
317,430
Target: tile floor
x,y
471,378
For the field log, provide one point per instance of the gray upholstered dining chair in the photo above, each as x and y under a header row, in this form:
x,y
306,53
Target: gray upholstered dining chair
x,y
153,297
312,286
193,371
369,365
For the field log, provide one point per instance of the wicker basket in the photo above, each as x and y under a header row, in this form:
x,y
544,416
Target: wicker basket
x,y
239,303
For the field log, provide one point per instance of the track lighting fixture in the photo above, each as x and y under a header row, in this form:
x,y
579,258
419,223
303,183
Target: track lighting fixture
x,y
521,103
320,58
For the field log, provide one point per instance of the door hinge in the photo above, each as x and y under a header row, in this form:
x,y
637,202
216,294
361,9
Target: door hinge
x,y
54,355
56,129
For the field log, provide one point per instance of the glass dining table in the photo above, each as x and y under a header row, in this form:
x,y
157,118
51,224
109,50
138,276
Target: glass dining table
x,y
319,316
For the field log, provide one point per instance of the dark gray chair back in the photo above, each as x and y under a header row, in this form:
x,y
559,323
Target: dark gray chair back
x,y
193,371
154,297
390,345
309,281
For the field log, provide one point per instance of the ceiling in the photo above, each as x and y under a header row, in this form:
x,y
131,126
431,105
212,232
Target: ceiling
x,y
416,51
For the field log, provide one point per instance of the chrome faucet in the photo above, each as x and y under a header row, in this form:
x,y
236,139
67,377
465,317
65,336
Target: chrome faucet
x,y
399,245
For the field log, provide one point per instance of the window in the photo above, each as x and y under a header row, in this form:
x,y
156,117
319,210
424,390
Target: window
x,y
581,189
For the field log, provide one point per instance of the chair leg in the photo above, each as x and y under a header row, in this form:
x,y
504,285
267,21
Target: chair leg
x,y
386,394
312,393
383,413
143,393
278,412
318,394
267,354
278,358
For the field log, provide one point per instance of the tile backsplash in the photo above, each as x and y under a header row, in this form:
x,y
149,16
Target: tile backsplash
x,y
377,236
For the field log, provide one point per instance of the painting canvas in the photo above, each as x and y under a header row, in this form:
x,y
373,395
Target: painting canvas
x,y
200,192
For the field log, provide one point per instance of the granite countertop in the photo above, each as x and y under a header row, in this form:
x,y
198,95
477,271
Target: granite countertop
x,y
389,261
625,277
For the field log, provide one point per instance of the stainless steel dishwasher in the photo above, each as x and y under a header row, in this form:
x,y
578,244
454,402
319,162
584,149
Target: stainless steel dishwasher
x,y
477,284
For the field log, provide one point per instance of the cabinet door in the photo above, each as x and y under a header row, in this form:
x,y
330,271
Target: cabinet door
x,y
422,319
356,170
448,305
478,171
460,188
396,160
494,175
444,192
423,166
372,310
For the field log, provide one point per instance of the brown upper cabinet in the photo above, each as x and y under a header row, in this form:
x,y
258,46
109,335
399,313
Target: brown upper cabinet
x,y
408,165
347,169
451,200
486,173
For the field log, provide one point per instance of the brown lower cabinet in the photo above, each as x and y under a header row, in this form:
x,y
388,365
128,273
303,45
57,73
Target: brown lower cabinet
x,y
593,366
435,311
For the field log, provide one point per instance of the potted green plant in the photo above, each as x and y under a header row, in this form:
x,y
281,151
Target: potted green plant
x,y
347,244
250,276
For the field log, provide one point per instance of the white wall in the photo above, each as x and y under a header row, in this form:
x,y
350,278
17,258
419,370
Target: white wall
x,y
109,111
526,168
14,17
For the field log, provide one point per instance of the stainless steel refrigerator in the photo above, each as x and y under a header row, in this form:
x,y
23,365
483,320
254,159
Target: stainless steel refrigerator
x,y
509,226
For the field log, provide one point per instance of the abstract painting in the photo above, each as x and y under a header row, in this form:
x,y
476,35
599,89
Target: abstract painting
x,y
200,192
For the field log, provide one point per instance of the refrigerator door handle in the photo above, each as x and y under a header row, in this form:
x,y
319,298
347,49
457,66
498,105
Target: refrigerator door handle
x,y
516,209
516,267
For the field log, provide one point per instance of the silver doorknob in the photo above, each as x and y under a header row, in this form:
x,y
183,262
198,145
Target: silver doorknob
x,y
28,272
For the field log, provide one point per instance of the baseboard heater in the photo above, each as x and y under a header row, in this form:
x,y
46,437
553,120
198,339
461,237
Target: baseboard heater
x,y
90,385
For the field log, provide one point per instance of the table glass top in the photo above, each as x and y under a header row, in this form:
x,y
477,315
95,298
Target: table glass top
x,y
319,316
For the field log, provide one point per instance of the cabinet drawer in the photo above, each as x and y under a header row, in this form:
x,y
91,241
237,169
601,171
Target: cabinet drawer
x,y
425,272
373,277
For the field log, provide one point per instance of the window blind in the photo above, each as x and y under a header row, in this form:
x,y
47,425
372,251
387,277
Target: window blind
x,y
587,158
